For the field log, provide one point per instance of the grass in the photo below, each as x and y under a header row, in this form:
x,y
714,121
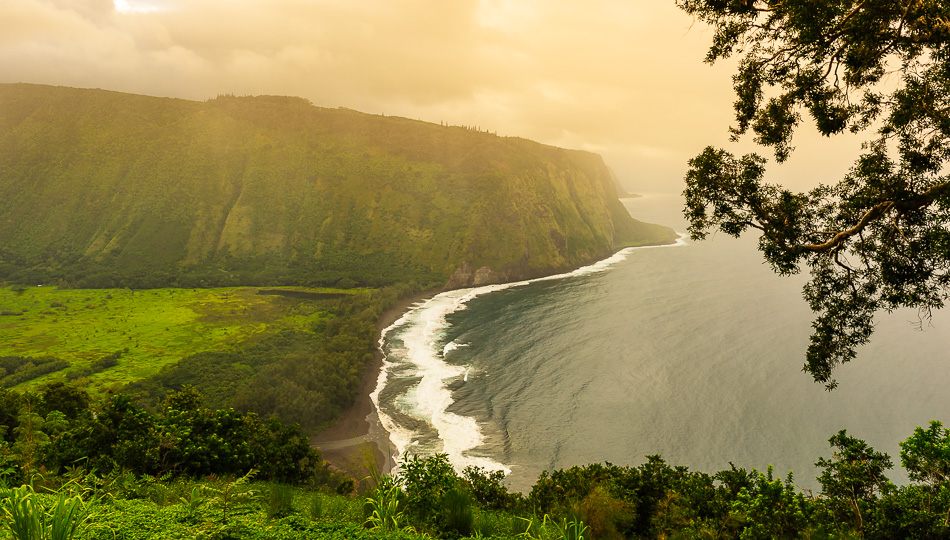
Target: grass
x,y
153,328
132,511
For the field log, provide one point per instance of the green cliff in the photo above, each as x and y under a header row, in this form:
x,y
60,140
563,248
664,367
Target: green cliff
x,y
105,189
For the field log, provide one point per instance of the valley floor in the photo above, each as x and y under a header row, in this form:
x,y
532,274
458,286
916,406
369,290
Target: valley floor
x,y
357,441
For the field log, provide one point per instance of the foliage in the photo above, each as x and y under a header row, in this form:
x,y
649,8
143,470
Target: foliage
x,y
570,529
280,500
70,400
240,348
488,489
194,502
22,369
853,478
458,512
648,500
548,527
878,239
208,458
429,496
199,442
426,482
141,519
143,192
910,512
230,494
115,336
187,399
383,507
27,518
97,366
652,500
770,508
926,455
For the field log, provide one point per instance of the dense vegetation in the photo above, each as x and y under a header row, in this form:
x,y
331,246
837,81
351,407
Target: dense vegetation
x,y
219,388
138,332
303,376
100,189
296,354
114,470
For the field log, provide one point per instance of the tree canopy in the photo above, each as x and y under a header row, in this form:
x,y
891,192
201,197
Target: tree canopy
x,y
878,238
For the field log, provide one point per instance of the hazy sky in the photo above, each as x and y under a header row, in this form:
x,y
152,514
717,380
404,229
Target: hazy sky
x,y
624,78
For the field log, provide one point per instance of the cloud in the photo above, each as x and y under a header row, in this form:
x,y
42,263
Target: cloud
x,y
621,76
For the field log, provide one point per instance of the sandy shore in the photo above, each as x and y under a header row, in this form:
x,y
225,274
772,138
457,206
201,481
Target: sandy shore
x,y
357,441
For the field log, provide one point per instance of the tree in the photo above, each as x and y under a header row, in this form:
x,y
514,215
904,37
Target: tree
x,y
852,478
186,399
69,400
926,455
878,239
770,508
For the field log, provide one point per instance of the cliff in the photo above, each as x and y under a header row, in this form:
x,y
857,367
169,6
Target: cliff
x,y
105,189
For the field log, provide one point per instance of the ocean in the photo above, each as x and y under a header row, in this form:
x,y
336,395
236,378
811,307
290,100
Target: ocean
x,y
691,351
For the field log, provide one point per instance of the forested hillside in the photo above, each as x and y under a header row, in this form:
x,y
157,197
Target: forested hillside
x,y
104,189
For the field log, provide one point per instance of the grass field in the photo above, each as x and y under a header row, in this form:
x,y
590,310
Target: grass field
x,y
151,328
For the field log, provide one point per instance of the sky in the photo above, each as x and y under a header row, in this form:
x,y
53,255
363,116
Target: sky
x,y
623,78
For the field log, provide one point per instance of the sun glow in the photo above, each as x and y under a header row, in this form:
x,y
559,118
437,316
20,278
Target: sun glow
x,y
123,6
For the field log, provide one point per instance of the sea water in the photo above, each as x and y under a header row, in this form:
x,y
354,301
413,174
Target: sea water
x,y
691,351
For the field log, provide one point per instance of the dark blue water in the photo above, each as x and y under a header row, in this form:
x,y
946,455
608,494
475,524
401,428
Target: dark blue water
x,y
692,351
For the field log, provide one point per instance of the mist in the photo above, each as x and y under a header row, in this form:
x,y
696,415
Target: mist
x,y
621,79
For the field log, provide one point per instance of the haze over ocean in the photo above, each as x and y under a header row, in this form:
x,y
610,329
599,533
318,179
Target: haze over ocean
x,y
693,352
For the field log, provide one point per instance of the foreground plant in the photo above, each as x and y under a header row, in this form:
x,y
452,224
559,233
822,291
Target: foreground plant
x,y
548,527
194,502
384,507
230,493
27,519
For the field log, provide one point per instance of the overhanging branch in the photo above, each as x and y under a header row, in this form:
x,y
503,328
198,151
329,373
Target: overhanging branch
x,y
877,211
839,238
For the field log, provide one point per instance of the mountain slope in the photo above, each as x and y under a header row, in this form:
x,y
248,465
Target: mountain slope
x,y
103,189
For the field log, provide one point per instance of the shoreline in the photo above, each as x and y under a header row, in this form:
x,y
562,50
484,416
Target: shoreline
x,y
356,442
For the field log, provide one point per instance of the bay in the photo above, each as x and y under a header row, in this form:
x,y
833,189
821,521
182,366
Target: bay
x,y
692,351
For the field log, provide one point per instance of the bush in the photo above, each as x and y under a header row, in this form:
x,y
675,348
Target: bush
x,y
195,443
426,481
487,488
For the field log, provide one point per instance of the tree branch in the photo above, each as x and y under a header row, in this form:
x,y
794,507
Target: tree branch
x,y
903,207
924,199
874,213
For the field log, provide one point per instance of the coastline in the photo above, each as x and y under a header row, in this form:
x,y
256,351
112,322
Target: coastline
x,y
357,442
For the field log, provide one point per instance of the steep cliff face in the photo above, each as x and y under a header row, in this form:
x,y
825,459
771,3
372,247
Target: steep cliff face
x,y
100,188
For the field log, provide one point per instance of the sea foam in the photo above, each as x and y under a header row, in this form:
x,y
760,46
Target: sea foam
x,y
421,331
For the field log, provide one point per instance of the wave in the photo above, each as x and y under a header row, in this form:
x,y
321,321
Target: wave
x,y
420,332
452,346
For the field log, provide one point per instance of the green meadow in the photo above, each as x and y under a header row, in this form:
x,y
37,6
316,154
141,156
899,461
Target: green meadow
x,y
146,329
